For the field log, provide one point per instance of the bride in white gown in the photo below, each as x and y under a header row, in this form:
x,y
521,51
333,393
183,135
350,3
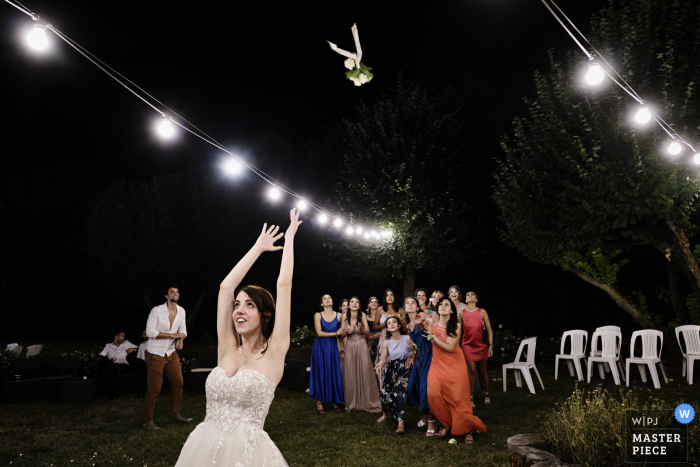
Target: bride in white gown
x,y
242,386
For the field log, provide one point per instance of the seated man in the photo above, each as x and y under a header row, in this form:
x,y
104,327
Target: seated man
x,y
113,361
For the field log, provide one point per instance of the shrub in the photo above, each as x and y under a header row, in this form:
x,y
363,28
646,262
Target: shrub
x,y
589,428
7,360
505,345
302,337
85,363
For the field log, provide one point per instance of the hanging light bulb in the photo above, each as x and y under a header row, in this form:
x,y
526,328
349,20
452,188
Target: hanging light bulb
x,y
375,234
349,231
322,219
366,235
595,74
643,115
301,205
358,231
674,148
37,39
165,128
696,158
274,193
232,166
337,223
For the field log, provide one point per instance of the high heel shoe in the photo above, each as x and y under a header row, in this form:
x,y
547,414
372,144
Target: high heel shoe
x,y
319,408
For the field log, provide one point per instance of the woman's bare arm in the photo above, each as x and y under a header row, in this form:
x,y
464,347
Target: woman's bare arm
x,y
319,330
280,335
365,325
227,289
377,317
451,343
487,323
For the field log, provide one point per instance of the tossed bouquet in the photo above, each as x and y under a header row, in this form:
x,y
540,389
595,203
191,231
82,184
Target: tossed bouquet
x,y
358,72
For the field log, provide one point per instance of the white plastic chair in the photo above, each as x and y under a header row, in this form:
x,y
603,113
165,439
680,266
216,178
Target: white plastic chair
x,y
11,347
599,352
524,367
579,339
34,351
651,355
610,354
15,349
691,335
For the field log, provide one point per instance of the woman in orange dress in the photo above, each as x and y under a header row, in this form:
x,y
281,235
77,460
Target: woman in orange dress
x,y
448,378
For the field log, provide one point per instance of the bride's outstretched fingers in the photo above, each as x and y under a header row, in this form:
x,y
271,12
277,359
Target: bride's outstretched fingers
x,y
268,237
294,222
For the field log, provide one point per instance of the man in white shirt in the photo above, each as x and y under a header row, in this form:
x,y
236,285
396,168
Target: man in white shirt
x,y
113,361
166,330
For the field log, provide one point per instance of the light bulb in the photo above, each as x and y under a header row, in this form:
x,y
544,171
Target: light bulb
x,y
274,193
166,129
375,234
643,115
674,148
301,205
358,230
595,74
337,223
385,233
232,166
37,39
696,158
322,219
349,231
366,235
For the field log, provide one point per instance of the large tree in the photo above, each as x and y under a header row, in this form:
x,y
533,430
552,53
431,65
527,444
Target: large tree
x,y
579,183
405,169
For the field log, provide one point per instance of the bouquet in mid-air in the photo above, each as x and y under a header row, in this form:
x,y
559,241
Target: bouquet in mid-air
x,y
358,72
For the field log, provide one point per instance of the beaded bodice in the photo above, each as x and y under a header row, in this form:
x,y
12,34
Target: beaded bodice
x,y
241,400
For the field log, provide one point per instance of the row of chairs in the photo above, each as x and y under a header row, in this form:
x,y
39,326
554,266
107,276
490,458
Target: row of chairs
x,y
37,350
606,342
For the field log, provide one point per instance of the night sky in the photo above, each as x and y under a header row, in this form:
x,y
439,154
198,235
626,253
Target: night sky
x,y
244,72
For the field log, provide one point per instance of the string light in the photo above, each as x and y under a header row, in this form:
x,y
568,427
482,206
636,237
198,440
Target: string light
x,y
274,193
595,74
696,158
643,115
165,129
37,39
386,233
232,166
674,148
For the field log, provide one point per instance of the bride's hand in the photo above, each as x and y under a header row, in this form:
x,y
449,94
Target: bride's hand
x,y
294,224
268,237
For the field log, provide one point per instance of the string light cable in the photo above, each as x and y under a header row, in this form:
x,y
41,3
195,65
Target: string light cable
x,y
122,80
626,87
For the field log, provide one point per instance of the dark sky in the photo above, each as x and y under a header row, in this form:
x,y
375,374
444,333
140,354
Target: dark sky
x,y
239,69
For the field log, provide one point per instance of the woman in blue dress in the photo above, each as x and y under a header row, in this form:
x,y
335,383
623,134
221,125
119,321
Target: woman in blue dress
x,y
326,384
418,383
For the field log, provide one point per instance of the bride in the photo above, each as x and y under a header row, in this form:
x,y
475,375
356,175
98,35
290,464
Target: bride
x,y
240,389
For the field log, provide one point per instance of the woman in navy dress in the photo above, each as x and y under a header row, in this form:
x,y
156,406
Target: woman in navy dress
x,y
418,383
326,384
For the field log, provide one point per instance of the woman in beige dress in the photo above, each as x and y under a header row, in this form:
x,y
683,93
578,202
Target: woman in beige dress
x,y
359,383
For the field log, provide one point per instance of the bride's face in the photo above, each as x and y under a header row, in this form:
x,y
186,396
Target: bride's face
x,y
246,317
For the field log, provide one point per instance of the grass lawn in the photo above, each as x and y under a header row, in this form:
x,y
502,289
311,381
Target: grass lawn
x,y
109,432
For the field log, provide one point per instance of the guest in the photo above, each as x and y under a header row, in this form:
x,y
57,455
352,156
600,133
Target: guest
x,y
434,299
166,329
476,351
326,384
448,381
398,350
455,294
374,336
380,320
422,297
359,385
341,338
418,383
112,361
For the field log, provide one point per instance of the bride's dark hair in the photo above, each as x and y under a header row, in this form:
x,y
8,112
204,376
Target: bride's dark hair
x,y
266,308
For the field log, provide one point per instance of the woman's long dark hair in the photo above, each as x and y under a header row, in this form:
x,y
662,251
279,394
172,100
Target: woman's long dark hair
x,y
451,327
385,305
360,312
402,329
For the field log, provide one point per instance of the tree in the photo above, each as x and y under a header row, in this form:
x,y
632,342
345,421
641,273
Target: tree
x,y
579,184
404,170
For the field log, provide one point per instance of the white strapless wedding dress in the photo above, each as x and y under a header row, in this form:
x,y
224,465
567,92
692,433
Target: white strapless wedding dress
x,y
232,433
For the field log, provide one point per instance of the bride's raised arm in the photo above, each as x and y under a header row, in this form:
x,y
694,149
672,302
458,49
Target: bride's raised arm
x,y
224,313
280,335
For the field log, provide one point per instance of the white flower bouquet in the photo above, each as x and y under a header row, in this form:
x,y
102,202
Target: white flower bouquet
x,y
358,73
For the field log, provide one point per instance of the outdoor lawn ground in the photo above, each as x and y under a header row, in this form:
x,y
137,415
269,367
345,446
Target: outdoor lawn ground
x,y
109,432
